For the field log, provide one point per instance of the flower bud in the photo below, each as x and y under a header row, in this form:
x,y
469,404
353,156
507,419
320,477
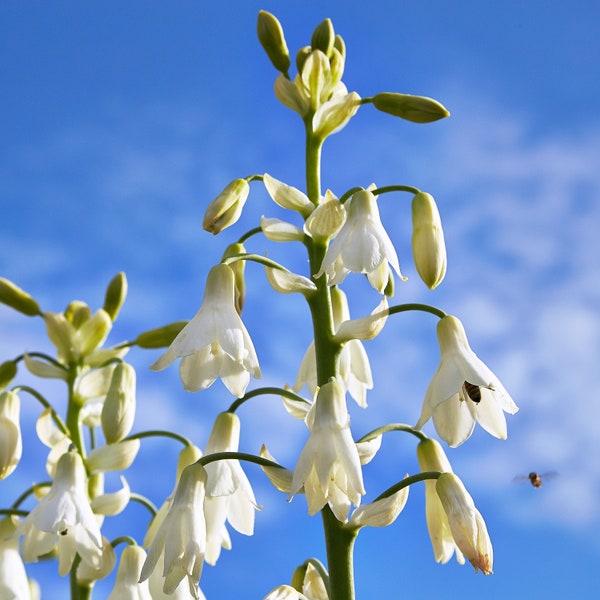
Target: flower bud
x,y
379,513
287,196
115,457
277,230
323,37
316,77
118,411
161,337
429,250
11,445
364,328
115,295
292,95
227,207
466,523
286,282
8,370
16,298
301,57
418,109
340,45
333,115
238,267
77,313
327,219
270,35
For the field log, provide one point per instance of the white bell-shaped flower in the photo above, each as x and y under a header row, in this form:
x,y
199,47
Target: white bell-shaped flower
x,y
11,445
64,515
181,538
361,246
329,465
215,343
128,585
13,578
229,495
463,390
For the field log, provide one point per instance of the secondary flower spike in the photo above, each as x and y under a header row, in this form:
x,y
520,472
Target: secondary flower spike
x,y
463,390
215,343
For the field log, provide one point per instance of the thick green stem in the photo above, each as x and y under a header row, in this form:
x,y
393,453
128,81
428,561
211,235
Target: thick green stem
x,y
339,542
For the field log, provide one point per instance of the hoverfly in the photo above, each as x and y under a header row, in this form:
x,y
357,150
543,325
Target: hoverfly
x,y
535,478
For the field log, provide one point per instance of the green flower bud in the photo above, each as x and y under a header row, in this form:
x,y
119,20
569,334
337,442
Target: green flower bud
x,y
227,207
16,298
118,410
316,77
115,295
238,268
429,249
323,37
340,46
8,370
301,57
161,337
77,313
418,109
270,35
336,64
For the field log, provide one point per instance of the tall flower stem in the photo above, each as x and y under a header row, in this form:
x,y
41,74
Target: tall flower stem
x,y
339,542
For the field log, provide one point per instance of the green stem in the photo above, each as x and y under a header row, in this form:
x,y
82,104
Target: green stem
x,y
158,433
73,410
252,458
392,427
265,390
28,492
339,542
398,308
406,482
55,417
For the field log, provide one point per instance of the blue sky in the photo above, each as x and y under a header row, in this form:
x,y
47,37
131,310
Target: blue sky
x,y
121,121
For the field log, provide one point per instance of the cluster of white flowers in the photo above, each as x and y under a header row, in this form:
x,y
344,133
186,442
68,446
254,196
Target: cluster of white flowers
x,y
342,236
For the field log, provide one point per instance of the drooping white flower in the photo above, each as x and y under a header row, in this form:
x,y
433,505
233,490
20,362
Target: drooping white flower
x,y
215,342
431,457
463,390
229,495
181,538
11,445
88,574
128,585
466,523
64,515
13,578
329,466
361,246
354,368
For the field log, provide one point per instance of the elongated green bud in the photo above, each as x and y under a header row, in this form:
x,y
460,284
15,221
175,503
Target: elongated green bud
x,y
227,207
429,249
323,37
301,57
118,411
418,109
77,313
270,35
340,45
161,337
8,370
16,298
115,295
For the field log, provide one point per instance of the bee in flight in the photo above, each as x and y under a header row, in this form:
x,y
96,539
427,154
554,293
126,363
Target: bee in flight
x,y
536,478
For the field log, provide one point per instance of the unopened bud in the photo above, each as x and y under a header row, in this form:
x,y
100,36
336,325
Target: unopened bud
x,y
270,35
327,219
118,411
77,313
418,109
288,196
238,268
11,447
316,77
323,37
16,298
301,57
115,295
429,249
8,370
286,282
340,45
161,337
227,207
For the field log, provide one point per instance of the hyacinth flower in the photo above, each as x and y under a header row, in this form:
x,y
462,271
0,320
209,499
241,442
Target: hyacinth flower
x,y
215,343
181,538
229,495
361,246
63,516
463,390
329,465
